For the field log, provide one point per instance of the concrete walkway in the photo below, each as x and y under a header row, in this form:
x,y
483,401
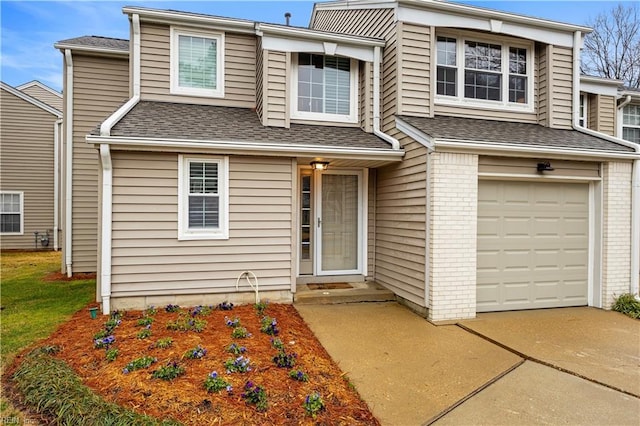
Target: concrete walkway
x,y
411,372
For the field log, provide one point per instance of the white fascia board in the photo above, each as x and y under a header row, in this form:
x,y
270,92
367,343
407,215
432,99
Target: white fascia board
x,y
304,33
30,99
599,87
415,134
40,85
206,21
356,4
492,147
283,44
246,148
455,19
635,96
90,49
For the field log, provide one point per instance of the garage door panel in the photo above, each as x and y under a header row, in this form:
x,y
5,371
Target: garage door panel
x,y
532,245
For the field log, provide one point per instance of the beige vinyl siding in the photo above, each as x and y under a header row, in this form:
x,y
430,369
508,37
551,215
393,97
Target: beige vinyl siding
x,y
562,87
275,102
527,167
543,84
389,103
601,113
401,224
371,224
365,103
45,96
147,257
414,50
259,79
100,86
239,64
26,164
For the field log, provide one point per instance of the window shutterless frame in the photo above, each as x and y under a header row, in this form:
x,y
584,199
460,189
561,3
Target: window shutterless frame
x,y
203,193
451,71
351,117
197,46
631,123
12,213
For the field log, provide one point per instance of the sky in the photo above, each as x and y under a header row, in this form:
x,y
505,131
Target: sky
x,y
30,28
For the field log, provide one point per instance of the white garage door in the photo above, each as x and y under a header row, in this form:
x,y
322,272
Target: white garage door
x,y
532,245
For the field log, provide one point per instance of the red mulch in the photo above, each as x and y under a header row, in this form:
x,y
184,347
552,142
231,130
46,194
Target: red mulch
x,y
184,398
59,276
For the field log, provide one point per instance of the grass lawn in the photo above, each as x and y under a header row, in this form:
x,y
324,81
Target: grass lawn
x,y
33,308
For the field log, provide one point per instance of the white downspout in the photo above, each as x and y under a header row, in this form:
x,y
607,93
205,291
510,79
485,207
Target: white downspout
x,y
105,275
56,181
68,129
377,57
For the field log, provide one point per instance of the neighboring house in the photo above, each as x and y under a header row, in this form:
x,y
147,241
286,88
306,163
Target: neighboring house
x,y
628,116
429,146
29,176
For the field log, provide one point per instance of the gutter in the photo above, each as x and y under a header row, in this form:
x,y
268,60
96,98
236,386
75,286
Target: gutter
x,y
57,127
377,82
68,130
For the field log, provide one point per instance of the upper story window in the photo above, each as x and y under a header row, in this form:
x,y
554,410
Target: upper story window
x,y
582,119
11,209
203,198
325,88
197,64
490,74
631,123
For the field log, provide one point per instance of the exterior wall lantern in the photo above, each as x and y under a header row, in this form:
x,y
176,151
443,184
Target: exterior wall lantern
x,y
320,165
545,167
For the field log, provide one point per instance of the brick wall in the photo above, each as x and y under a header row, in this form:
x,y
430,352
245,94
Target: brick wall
x,y
454,210
616,237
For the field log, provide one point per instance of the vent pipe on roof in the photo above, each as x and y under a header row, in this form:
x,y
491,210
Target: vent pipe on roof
x,y
287,17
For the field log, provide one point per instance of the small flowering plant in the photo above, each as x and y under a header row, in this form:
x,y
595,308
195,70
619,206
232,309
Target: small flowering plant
x,y
261,307
255,395
238,365
139,363
240,333
186,323
276,343
111,324
285,360
169,371
313,404
235,349
299,375
215,384
232,322
195,353
104,343
269,326
144,321
200,310
150,311
172,308
164,343
111,354
225,306
145,333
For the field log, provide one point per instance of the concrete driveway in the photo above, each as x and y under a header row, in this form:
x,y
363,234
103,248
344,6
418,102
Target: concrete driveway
x,y
411,372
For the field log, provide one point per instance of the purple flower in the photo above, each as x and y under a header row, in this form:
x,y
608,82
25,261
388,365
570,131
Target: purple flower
x,y
230,389
125,370
213,374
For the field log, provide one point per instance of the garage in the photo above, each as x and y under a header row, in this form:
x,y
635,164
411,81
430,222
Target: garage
x,y
533,245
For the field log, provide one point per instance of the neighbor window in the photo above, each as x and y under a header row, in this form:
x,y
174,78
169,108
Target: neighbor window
x,y
582,119
203,198
325,88
197,65
631,123
11,211
475,71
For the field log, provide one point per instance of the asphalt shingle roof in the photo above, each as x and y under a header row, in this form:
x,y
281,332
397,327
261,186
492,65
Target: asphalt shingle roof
x,y
164,120
502,132
98,41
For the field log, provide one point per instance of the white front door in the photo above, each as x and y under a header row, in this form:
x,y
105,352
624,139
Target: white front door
x,y
339,222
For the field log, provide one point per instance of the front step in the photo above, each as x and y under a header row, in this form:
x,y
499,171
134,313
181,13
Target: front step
x,y
327,295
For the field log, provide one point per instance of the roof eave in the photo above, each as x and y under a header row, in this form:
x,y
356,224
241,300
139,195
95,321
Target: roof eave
x,y
91,49
318,35
31,100
176,17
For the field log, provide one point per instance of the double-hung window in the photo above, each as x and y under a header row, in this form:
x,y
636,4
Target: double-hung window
x,y
11,213
490,74
631,123
325,88
203,198
197,63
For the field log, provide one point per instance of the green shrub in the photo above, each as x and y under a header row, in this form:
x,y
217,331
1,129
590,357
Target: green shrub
x,y
50,387
628,305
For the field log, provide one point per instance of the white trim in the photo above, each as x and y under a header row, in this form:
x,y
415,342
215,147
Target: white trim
x,y
377,84
68,134
297,33
317,116
283,44
91,49
249,148
583,109
416,134
30,99
135,26
176,89
20,194
598,88
317,262
542,178
222,232
36,83
575,102
191,19
107,211
107,125
505,44
57,143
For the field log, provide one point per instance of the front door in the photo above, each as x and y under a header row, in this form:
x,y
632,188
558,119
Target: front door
x,y
338,227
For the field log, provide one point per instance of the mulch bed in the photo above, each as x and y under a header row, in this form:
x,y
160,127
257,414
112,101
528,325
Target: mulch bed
x,y
184,398
59,276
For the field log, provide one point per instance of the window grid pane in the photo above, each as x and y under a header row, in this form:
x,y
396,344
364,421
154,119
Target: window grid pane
x,y
631,115
204,198
482,85
631,134
10,213
483,56
324,84
197,59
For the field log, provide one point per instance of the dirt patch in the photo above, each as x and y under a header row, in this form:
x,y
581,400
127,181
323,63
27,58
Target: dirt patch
x,y
59,276
185,398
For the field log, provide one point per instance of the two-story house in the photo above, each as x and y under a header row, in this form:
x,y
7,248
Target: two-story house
x,y
429,146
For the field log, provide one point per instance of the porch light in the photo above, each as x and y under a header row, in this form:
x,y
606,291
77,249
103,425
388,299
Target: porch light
x,y
320,165
545,167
